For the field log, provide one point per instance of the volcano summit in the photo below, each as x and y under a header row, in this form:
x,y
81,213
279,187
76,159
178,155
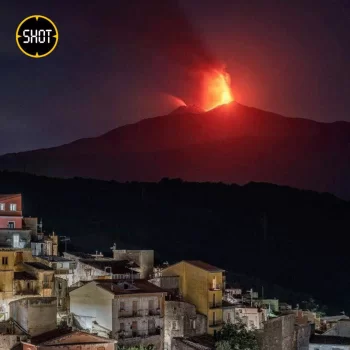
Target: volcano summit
x,y
231,143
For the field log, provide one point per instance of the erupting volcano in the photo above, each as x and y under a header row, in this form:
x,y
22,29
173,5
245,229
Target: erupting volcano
x,y
216,89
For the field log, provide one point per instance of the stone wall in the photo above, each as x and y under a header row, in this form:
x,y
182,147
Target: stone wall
x,y
35,315
278,333
181,320
302,337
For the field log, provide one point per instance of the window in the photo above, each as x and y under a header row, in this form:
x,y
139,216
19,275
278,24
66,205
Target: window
x,y
174,325
16,241
11,224
2,206
60,285
13,206
122,326
193,324
122,306
59,302
5,260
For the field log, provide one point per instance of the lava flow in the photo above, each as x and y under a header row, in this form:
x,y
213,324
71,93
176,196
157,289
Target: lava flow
x,y
216,89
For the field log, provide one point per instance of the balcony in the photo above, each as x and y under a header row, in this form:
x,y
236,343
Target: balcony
x,y
214,287
138,313
139,334
154,312
217,305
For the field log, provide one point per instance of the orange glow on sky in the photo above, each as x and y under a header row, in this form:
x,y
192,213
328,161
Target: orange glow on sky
x,y
216,89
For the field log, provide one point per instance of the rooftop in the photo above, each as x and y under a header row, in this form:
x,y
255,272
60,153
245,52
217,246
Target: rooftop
x,y
9,196
23,275
334,318
204,266
81,337
199,342
55,258
39,266
119,267
121,287
329,339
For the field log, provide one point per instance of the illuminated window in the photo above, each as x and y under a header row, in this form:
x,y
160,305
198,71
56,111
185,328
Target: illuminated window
x,y
2,206
13,206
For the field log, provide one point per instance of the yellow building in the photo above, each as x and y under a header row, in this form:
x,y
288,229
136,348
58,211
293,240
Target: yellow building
x,y
201,284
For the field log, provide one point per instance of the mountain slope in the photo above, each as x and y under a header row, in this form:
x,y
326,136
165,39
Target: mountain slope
x,y
232,143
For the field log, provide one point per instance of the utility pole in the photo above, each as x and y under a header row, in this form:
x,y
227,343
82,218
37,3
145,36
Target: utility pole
x,y
65,239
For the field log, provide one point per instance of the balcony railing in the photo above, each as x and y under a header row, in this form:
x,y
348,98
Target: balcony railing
x,y
216,305
216,286
138,313
139,334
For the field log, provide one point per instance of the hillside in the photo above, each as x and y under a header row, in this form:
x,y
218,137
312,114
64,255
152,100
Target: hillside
x,y
232,143
285,236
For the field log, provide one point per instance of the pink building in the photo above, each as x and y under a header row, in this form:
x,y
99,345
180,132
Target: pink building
x,y
11,211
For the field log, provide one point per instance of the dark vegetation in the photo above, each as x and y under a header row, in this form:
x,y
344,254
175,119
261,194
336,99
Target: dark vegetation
x,y
284,236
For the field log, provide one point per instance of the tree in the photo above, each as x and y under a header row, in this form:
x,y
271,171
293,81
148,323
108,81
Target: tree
x,y
236,337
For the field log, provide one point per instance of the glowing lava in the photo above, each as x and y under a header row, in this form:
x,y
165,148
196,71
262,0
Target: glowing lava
x,y
216,89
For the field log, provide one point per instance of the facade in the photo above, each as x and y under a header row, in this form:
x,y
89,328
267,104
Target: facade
x,y
201,284
44,245
252,317
34,315
67,339
143,258
11,211
181,320
130,312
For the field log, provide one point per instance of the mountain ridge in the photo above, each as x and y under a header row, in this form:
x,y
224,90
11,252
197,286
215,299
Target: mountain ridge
x,y
231,143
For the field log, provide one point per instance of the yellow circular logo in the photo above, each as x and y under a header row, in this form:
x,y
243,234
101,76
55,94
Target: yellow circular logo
x,y
37,36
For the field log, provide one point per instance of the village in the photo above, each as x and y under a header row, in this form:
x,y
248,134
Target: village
x,y
86,300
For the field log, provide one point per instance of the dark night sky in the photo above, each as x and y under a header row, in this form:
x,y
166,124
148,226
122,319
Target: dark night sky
x,y
290,57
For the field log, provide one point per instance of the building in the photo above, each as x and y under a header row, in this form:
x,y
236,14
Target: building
x,y
130,312
328,322
340,329
11,211
68,340
182,320
328,342
44,245
143,258
10,335
253,317
88,268
44,276
202,285
34,315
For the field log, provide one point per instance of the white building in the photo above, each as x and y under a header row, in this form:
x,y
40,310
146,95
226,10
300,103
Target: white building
x,y
131,312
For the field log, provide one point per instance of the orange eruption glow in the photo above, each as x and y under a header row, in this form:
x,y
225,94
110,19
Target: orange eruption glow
x,y
216,89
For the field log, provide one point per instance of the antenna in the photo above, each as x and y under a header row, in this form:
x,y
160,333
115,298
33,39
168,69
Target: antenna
x,y
65,239
114,247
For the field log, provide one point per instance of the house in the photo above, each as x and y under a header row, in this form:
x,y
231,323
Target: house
x,y
34,315
340,329
182,320
201,284
130,311
89,268
44,245
68,340
44,275
11,211
328,322
143,258
63,274
328,342
253,317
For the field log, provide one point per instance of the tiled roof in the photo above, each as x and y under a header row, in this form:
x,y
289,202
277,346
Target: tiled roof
x,y
39,266
8,196
87,338
120,267
138,286
329,339
204,266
